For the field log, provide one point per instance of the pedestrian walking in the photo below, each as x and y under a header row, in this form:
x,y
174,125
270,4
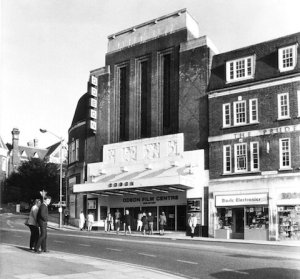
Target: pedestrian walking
x,y
42,220
31,222
81,220
66,216
90,221
139,222
145,223
109,222
118,217
192,223
127,222
162,223
150,223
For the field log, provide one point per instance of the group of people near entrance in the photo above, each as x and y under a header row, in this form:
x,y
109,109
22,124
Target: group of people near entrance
x,y
144,222
37,223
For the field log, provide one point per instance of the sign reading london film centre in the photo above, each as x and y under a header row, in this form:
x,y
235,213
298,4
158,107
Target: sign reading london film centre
x,y
247,199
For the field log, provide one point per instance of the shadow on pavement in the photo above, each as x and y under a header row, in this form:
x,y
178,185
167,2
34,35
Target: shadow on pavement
x,y
261,273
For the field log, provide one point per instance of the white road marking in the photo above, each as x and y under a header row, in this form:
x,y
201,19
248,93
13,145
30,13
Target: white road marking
x,y
182,261
147,255
112,249
235,271
86,245
58,241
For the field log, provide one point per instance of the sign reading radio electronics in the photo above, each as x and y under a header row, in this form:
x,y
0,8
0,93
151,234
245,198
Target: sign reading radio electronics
x,y
93,91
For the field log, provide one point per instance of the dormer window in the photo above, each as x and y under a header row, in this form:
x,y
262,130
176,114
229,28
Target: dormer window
x,y
240,69
287,58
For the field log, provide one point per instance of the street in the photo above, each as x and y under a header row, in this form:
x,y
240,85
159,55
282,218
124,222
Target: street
x,y
187,258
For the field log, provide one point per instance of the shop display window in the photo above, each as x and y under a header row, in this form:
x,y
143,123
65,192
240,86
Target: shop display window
x,y
289,222
257,218
224,218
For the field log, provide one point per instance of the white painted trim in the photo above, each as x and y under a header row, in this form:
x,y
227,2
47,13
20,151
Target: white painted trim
x,y
223,92
256,133
298,102
77,125
280,116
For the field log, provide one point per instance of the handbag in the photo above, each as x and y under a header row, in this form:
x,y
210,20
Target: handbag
x,y
26,223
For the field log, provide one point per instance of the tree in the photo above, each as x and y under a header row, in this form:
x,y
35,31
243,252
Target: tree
x,y
32,177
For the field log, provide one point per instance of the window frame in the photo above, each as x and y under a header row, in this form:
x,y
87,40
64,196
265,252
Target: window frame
x,y
225,124
236,158
280,110
251,115
232,69
281,51
225,157
235,113
281,151
252,168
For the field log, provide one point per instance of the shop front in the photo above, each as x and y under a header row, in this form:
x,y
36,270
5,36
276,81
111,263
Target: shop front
x,y
288,214
242,216
150,175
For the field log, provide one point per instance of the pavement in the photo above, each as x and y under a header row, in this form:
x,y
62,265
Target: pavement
x,y
20,262
182,236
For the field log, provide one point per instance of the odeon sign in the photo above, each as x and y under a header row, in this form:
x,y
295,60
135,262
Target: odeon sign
x,y
121,184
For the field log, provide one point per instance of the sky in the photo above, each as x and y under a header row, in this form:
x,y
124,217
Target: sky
x,y
49,47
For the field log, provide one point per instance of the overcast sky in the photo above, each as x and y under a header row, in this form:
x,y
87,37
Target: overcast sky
x,y
48,48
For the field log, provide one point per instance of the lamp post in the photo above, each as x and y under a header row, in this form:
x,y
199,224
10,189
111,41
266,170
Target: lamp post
x,y
60,173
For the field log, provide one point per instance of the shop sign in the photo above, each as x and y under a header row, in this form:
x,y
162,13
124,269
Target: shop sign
x,y
150,200
289,196
247,199
194,205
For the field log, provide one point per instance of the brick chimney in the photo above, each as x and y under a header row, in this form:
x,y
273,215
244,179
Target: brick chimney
x,y
35,142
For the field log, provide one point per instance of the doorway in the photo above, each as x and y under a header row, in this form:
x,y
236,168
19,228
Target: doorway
x,y
238,223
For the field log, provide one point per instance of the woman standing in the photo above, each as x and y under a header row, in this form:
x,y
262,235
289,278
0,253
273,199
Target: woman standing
x,y
81,220
192,223
90,221
162,223
33,225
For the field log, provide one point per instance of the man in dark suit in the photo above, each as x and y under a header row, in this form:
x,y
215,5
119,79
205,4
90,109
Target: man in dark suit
x,y
42,219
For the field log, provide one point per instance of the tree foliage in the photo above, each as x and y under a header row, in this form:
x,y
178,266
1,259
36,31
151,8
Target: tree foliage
x,y
32,177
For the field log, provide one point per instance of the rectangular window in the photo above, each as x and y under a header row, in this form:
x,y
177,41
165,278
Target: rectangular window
x,y
145,99
166,79
73,152
239,112
287,58
253,110
285,153
283,106
240,69
240,157
124,104
227,159
77,150
254,151
226,115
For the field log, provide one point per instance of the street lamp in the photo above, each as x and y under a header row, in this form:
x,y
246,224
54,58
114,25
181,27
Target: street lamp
x,y
60,173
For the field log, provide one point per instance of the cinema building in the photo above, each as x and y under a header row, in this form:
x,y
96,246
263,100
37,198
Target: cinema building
x,y
254,139
139,136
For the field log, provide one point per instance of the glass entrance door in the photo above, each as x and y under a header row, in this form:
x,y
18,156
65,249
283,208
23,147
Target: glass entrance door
x,y
170,214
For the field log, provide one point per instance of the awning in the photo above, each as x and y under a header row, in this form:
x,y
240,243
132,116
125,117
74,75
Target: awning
x,y
172,179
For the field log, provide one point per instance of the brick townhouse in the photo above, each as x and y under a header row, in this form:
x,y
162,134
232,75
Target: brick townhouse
x,y
138,139
254,141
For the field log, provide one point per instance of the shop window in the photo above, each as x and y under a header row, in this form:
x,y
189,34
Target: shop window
x,y
224,217
289,222
257,218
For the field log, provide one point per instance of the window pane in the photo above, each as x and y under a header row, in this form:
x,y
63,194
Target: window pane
x,y
241,157
240,111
